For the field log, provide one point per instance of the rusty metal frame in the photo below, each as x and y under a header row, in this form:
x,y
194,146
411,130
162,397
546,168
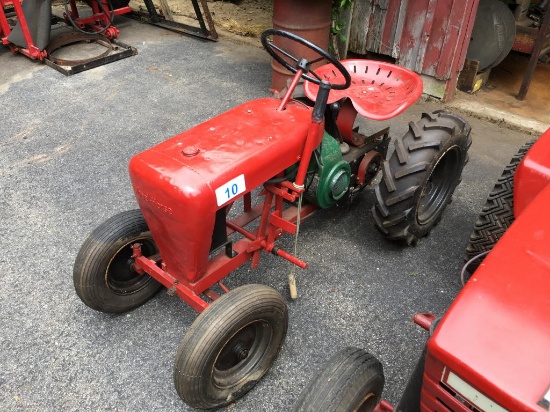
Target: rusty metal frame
x,y
114,50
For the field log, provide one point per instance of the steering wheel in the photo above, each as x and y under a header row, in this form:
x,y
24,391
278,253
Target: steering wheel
x,y
301,63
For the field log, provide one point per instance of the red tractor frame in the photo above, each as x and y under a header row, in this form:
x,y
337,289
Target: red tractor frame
x,y
27,46
490,350
31,35
301,155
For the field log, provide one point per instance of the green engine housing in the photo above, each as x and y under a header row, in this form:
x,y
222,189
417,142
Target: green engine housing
x,y
332,175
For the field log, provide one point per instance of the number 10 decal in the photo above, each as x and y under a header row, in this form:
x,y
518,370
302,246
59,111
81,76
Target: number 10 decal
x,y
231,189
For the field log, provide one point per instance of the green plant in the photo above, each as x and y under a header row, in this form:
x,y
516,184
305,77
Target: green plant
x,y
338,25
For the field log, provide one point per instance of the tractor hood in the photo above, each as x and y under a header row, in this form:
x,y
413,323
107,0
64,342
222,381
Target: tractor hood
x,y
496,334
182,182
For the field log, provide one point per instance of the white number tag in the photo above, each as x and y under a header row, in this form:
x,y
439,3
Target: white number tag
x,y
231,189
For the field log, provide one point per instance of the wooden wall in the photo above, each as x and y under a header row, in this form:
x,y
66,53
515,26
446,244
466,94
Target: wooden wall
x,y
428,36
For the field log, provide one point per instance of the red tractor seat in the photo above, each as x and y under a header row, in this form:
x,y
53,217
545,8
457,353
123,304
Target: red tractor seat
x,y
378,90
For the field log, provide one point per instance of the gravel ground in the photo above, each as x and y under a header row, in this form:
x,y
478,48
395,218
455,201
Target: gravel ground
x,y
65,145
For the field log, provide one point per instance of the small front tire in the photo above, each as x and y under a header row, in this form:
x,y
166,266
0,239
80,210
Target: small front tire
x,y
352,381
230,346
104,276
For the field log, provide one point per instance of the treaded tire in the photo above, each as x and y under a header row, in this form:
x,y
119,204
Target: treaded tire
x,y
421,176
103,275
352,381
497,213
230,346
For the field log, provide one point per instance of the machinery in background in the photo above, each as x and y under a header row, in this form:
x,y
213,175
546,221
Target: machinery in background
x,y
31,33
101,19
502,26
492,39
26,27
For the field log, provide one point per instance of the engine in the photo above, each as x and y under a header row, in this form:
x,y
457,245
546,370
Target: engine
x,y
331,178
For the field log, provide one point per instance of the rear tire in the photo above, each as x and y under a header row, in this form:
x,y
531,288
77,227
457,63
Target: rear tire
x,y
230,346
353,380
103,274
421,176
497,213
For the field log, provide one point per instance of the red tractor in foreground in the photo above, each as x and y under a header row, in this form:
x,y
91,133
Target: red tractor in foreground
x,y
490,352
277,160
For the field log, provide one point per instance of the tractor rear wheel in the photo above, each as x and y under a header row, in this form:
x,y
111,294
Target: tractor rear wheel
x,y
352,381
421,176
104,275
497,213
230,346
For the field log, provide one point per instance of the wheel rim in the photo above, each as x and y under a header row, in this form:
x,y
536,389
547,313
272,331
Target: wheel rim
x,y
367,403
121,276
439,186
242,354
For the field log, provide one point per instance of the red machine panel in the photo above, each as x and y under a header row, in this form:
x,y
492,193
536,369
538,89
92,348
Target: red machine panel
x,y
497,332
182,182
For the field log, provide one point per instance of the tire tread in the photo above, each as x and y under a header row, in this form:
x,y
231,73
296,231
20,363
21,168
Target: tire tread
x,y
407,170
497,214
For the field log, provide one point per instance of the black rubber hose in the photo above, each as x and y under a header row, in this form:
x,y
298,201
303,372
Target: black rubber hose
x,y
99,2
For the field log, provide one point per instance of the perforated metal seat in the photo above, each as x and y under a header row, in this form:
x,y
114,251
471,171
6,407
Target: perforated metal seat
x,y
378,90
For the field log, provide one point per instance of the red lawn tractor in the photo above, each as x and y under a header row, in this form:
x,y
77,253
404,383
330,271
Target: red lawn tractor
x,y
490,351
201,216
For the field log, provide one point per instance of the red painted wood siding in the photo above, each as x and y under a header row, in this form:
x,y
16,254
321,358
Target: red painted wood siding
x,y
428,36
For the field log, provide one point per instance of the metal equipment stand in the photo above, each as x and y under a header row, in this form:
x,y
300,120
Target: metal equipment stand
x,y
167,21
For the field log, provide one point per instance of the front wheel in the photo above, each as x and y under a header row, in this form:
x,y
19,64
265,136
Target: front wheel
x,y
421,176
352,381
104,275
230,346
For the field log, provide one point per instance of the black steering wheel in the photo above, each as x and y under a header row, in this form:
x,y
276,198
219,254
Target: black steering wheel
x,y
301,63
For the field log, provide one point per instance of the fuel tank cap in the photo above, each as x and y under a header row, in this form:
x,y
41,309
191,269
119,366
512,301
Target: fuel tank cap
x,y
190,151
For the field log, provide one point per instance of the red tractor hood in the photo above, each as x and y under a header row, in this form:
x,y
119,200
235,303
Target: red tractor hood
x,y
496,334
182,182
